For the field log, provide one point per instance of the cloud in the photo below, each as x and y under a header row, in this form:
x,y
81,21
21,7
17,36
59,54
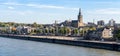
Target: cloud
x,y
103,14
11,7
11,3
108,11
39,6
44,6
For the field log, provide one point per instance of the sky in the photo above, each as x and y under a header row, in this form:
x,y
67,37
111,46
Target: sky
x,y
47,11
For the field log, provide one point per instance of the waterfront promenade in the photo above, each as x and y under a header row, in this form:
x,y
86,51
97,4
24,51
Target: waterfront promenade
x,y
64,38
49,37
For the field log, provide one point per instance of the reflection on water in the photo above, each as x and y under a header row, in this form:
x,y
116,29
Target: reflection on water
x,y
15,47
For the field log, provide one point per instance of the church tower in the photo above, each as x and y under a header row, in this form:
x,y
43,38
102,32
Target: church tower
x,y
80,19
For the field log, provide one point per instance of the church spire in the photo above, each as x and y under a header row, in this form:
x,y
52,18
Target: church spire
x,y
80,19
79,11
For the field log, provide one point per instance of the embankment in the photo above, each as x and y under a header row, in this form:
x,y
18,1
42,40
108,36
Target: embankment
x,y
68,41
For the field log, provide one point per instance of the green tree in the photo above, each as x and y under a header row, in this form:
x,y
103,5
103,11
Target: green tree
x,y
4,30
75,31
40,31
68,31
11,23
40,25
32,32
46,30
92,28
34,25
61,31
64,30
117,34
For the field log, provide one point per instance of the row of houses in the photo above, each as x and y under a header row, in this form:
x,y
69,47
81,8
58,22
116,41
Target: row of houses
x,y
97,34
16,30
100,33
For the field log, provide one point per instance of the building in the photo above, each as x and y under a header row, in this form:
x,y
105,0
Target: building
x,y
24,29
117,26
75,23
112,22
100,23
27,30
91,24
19,29
79,22
66,23
101,33
107,33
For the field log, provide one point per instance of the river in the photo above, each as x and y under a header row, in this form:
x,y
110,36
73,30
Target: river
x,y
16,47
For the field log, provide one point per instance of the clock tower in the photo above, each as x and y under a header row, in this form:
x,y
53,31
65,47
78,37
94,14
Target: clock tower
x,y
80,19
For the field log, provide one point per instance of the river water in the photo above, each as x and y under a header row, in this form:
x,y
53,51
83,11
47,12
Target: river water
x,y
16,47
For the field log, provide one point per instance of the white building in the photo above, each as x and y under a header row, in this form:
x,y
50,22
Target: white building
x,y
19,29
111,22
107,33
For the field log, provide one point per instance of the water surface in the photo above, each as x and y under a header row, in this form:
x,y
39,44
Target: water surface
x,y
16,47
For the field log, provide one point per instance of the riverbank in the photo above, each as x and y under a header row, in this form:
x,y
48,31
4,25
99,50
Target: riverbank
x,y
68,41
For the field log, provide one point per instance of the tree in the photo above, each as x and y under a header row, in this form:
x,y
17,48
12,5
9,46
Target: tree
x,y
3,30
32,32
11,23
40,31
75,31
14,31
40,26
61,31
34,25
92,28
117,34
46,30
2,24
68,31
52,30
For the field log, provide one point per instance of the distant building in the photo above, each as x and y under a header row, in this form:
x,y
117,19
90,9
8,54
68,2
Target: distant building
x,y
100,23
24,29
91,24
112,22
9,29
101,33
79,22
117,26
66,23
19,29
107,33
27,30
75,23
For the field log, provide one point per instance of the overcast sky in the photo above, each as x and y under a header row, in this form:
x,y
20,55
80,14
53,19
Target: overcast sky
x,y
47,11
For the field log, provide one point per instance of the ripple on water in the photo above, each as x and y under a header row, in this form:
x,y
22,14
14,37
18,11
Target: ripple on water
x,y
15,47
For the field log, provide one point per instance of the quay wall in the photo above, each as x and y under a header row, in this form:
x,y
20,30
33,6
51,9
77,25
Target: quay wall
x,y
100,45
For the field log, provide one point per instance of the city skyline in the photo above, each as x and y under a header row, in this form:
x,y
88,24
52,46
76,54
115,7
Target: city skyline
x,y
41,11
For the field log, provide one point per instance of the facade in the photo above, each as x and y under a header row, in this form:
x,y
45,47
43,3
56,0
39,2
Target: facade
x,y
107,33
66,23
9,29
91,24
27,29
19,29
24,29
100,23
112,22
80,19
79,22
75,23
101,33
